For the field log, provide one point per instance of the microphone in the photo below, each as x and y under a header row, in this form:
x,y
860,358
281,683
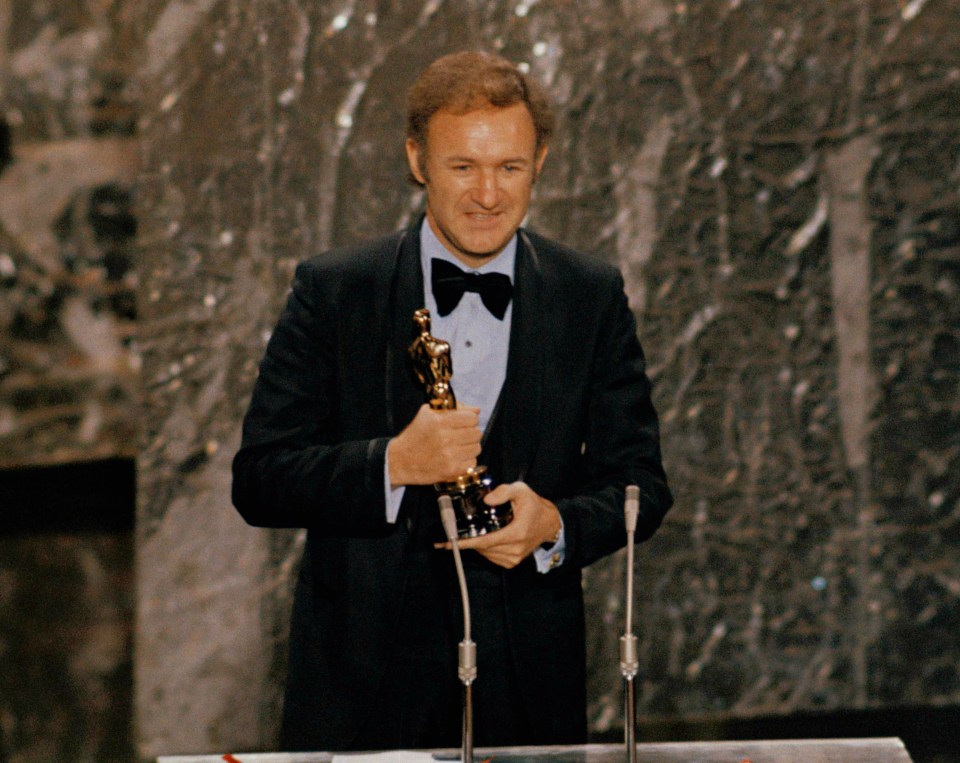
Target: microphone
x,y
631,507
467,652
629,661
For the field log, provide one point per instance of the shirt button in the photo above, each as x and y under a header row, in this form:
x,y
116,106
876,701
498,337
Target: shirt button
x,y
468,343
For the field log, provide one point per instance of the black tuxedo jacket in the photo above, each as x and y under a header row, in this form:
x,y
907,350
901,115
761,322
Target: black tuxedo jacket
x,y
574,421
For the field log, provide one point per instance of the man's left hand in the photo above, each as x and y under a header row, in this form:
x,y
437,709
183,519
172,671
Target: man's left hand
x,y
535,521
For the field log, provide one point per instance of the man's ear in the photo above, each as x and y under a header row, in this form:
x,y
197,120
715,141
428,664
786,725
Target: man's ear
x,y
413,161
540,159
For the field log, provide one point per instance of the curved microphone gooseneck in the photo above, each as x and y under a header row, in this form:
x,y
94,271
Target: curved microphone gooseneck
x,y
467,664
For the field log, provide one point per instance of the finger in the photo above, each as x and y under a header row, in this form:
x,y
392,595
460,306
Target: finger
x,y
503,493
483,542
465,436
467,544
461,450
462,416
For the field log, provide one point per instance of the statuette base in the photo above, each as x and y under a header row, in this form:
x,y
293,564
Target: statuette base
x,y
474,517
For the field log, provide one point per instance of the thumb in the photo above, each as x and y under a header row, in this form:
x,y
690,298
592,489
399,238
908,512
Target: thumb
x,y
502,494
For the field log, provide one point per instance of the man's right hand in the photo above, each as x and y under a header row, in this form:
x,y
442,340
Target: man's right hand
x,y
437,446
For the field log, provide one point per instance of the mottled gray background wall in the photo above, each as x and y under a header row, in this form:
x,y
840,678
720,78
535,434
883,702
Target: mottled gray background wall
x,y
68,381
777,181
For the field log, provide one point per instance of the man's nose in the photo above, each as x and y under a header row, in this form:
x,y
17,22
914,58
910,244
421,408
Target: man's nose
x,y
486,192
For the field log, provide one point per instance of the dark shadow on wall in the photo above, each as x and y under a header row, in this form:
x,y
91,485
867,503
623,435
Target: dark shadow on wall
x,y
66,612
94,497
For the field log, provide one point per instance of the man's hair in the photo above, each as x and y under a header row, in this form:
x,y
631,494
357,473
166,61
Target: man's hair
x,y
470,80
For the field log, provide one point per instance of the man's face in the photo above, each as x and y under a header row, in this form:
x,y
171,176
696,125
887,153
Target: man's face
x,y
478,171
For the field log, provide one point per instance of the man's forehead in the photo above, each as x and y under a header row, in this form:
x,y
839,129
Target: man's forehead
x,y
483,110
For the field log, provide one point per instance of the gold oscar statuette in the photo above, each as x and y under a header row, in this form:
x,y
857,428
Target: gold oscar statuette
x,y
434,368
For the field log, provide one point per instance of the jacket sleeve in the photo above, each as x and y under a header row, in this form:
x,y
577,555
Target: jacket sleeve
x,y
621,444
295,468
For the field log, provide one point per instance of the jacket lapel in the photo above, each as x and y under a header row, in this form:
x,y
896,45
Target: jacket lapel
x,y
513,429
404,395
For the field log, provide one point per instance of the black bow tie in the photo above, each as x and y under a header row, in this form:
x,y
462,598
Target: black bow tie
x,y
449,283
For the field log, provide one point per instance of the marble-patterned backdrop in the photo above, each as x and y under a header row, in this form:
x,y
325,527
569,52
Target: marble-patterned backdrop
x,y
778,183
68,160
68,381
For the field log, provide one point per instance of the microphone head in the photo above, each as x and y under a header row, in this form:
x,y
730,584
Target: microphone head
x,y
631,507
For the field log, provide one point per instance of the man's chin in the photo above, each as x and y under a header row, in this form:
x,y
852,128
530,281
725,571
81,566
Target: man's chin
x,y
482,251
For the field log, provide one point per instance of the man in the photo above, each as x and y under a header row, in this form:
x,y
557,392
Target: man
x,y
339,440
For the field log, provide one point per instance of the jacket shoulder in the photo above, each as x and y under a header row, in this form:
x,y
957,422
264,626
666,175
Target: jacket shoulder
x,y
357,259
565,262
352,273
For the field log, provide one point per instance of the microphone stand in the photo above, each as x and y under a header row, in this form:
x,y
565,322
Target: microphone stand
x,y
467,653
629,662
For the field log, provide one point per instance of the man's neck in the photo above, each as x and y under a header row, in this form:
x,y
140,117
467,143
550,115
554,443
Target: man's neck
x,y
432,245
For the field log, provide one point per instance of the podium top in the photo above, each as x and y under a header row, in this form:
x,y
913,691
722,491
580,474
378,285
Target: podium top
x,y
879,750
